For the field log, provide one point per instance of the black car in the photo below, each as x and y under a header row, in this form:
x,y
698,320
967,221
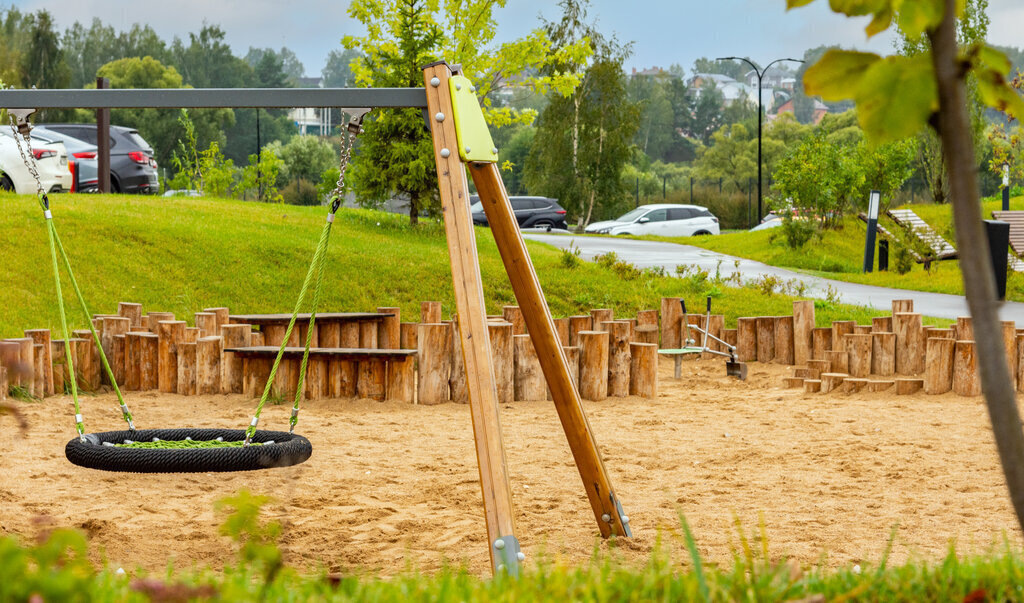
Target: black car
x,y
531,212
132,163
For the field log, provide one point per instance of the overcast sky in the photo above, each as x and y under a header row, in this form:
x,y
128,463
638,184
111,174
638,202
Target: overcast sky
x,y
663,31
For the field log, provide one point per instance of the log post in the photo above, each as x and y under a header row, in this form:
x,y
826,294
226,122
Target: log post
x,y
785,344
902,305
171,333
715,326
132,357
185,373
503,357
647,318
671,322
430,312
862,330
389,330
192,334
746,339
256,373
643,370
908,385
831,381
965,369
618,357
883,353
594,364
118,360
408,335
209,351
402,380
964,328
858,348
316,385
10,357
372,379
235,336
206,322
728,336
457,384
910,343
38,370
803,328
838,361
562,329
841,328
153,319
649,334
529,377
368,335
87,361
42,337
601,316
222,318
812,386
149,361
1020,365
433,350
329,335
572,358
257,339
342,374
514,315
765,338
577,324
821,342
1010,344
938,367
132,312
273,335
881,324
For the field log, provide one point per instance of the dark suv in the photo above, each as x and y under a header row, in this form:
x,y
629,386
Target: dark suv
x,y
531,212
132,163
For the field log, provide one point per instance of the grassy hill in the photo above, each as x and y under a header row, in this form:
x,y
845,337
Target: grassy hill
x,y
839,254
182,255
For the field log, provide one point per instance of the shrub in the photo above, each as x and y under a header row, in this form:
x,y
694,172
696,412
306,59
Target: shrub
x,y
301,192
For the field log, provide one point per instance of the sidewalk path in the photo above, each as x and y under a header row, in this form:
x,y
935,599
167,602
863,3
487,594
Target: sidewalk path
x,y
647,254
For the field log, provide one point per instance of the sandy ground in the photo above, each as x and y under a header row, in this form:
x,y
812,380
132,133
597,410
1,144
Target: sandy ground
x,y
393,485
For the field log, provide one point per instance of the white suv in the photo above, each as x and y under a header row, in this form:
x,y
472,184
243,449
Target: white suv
x,y
51,162
663,219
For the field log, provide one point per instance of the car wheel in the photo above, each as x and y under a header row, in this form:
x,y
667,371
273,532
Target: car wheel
x,y
701,233
6,184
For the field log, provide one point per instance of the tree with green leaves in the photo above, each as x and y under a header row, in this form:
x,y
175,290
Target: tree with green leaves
x,y
583,139
43,64
897,97
735,69
88,49
161,128
337,71
395,155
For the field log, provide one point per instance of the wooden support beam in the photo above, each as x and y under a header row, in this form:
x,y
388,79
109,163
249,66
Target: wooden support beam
x,y
603,500
803,328
472,315
42,337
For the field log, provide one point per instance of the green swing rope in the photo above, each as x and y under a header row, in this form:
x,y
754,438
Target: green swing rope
x,y
316,267
55,246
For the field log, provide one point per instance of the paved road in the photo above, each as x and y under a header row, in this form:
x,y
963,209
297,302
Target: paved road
x,y
646,254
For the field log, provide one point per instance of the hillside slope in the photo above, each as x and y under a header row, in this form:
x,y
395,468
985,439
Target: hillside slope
x,y
182,255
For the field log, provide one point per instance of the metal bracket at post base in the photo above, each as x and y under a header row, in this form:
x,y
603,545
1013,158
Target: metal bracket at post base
x,y
507,556
623,518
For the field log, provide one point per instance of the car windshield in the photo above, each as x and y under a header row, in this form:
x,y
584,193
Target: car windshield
x,y
476,207
633,215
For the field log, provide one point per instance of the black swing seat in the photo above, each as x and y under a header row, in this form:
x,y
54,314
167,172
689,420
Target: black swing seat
x,y
100,451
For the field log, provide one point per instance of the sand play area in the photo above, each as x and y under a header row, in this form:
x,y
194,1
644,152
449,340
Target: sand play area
x,y
392,485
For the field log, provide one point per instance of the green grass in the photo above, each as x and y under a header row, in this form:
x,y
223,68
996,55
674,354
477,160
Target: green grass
x,y
186,254
56,568
839,254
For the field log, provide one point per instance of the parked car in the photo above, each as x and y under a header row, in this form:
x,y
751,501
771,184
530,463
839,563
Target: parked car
x,y
51,163
531,212
81,159
662,219
132,163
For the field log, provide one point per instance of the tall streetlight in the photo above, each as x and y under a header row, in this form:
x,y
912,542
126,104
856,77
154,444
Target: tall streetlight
x,y
760,74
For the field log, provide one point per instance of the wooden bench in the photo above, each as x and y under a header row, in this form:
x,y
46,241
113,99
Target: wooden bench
x,y
331,372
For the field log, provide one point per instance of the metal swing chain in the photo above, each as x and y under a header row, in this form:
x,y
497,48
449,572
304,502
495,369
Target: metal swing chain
x,y
18,135
355,126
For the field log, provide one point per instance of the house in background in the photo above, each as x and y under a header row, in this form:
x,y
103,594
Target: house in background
x,y
820,109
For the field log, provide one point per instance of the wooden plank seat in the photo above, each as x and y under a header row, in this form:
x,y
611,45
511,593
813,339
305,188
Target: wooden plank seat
x,y
331,372
1016,220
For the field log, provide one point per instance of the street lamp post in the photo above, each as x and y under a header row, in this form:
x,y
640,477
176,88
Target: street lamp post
x,y
760,74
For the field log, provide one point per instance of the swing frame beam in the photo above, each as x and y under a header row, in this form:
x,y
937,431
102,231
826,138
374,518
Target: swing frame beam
x,y
453,186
